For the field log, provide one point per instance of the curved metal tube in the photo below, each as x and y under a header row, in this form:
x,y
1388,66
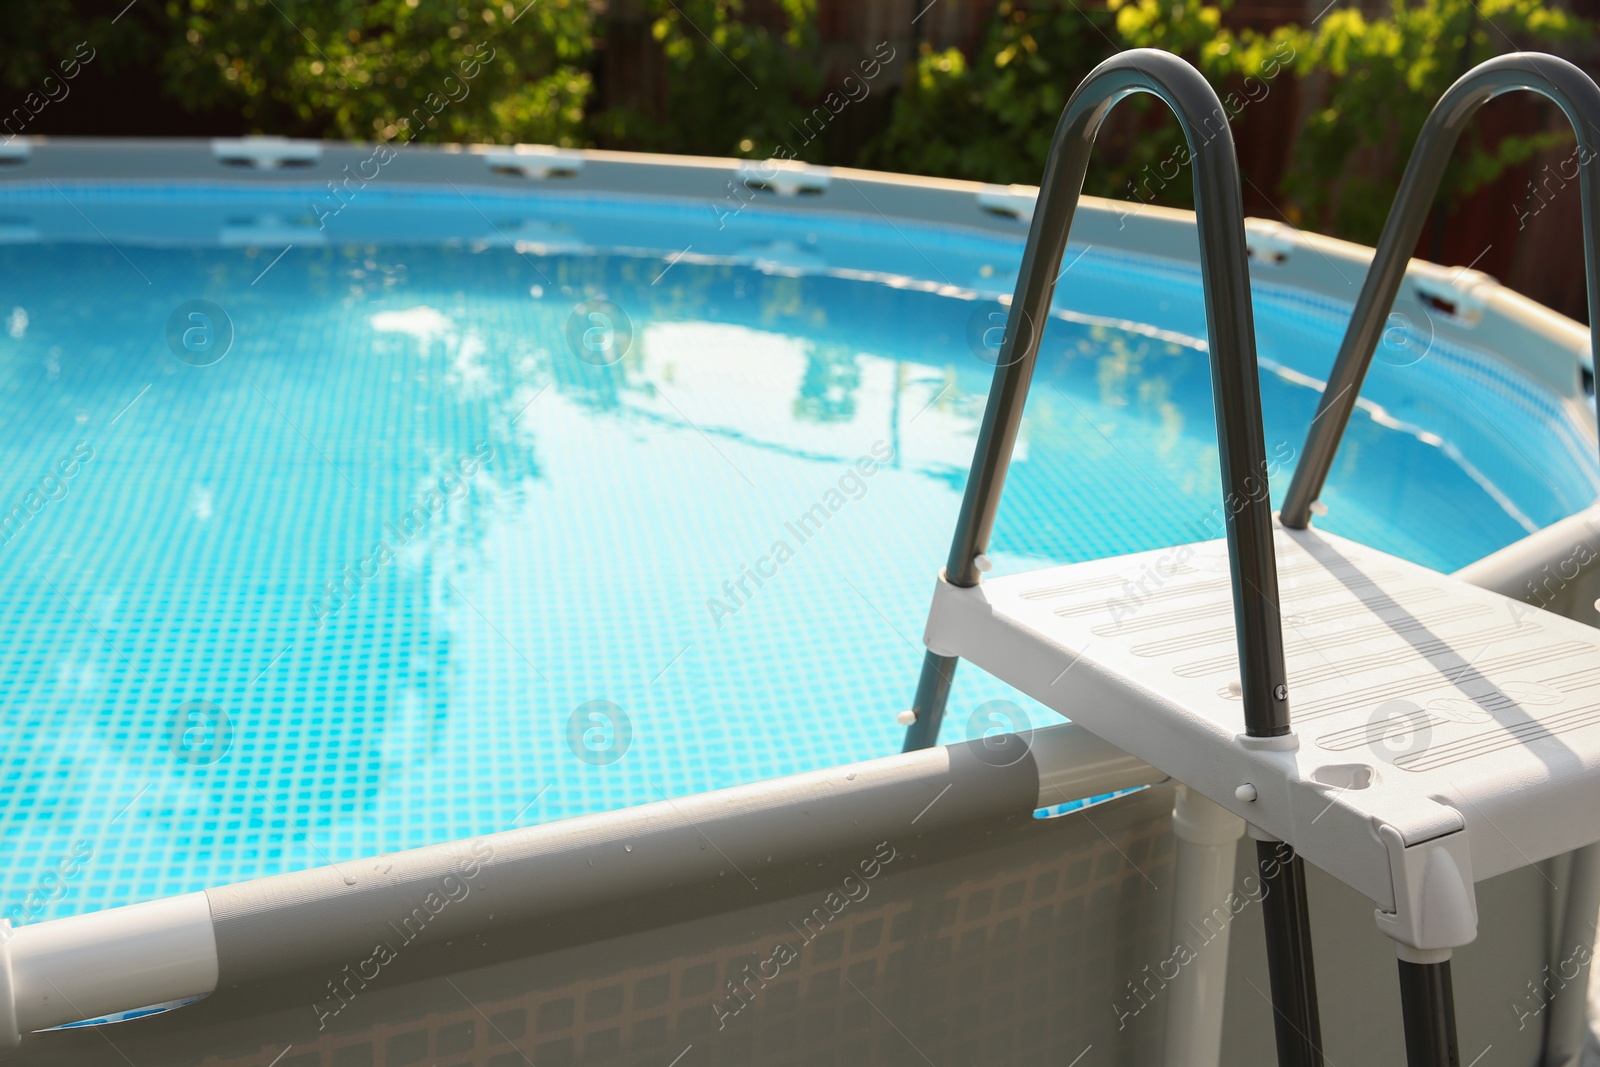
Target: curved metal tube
x,y
1579,99
1247,510
1224,271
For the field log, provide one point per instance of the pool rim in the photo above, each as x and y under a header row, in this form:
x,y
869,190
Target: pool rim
x,y
1463,305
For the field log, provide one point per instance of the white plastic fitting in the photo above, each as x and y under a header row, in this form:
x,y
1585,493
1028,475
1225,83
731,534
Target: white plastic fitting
x,y
1268,241
1436,906
85,966
1013,201
1074,764
265,153
786,177
535,161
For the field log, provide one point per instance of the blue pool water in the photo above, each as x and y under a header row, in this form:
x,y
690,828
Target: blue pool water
x,y
409,562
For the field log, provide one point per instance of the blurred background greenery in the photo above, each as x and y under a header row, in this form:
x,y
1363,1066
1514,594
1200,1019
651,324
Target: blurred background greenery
x,y
1325,101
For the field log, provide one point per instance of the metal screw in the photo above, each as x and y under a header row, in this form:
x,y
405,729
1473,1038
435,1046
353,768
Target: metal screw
x,y
1282,692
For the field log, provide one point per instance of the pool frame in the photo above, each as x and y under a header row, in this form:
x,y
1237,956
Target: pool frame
x,y
1466,307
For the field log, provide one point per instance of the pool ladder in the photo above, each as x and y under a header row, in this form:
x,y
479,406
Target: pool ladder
x,y
1387,832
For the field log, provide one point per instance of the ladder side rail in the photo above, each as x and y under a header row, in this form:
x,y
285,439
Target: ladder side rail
x,y
1579,99
1235,383
1219,216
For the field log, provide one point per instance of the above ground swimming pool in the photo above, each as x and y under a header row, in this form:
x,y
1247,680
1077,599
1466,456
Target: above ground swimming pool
x,y
471,508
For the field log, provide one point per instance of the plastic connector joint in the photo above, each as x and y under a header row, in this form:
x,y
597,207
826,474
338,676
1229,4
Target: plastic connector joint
x,y
1436,908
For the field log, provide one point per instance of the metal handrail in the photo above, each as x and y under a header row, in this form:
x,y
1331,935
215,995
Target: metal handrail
x,y
1224,272
1579,99
1235,384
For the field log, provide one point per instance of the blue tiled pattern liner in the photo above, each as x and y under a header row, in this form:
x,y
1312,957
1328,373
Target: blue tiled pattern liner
x,y
174,715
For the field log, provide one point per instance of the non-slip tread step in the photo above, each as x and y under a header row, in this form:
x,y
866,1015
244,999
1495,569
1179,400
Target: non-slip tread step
x,y
1431,692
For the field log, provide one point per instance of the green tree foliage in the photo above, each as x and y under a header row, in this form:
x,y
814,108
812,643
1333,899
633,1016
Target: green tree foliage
x,y
1372,83
1008,97
734,85
45,33
387,69
741,77
991,118
1383,77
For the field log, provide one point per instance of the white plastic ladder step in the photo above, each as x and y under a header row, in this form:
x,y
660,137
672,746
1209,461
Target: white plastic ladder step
x,y
1419,703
